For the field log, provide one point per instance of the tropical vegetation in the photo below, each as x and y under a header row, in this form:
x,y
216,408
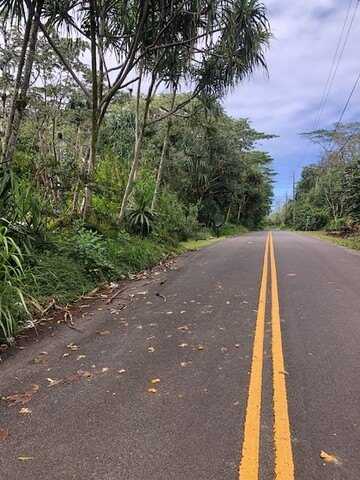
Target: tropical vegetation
x,y
115,146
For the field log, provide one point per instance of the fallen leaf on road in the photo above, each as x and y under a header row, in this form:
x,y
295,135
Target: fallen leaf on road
x,y
25,458
154,381
183,328
200,347
52,382
152,390
104,332
328,458
25,411
4,433
41,358
151,349
22,398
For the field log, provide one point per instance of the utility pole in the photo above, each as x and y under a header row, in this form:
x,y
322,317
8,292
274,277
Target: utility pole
x,y
294,203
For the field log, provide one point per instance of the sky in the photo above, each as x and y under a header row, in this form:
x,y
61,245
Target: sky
x,y
286,102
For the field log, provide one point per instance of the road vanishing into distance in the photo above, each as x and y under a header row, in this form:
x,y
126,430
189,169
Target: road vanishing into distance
x,y
242,361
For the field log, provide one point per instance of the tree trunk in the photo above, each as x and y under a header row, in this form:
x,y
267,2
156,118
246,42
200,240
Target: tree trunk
x,y
137,150
19,100
228,215
163,153
239,213
90,166
131,178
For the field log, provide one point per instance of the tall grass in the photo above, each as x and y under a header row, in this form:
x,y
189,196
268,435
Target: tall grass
x,y
12,303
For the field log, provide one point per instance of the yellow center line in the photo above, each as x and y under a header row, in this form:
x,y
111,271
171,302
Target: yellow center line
x,y
249,466
284,464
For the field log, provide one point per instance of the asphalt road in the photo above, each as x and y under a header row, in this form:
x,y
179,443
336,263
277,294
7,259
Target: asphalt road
x,y
244,357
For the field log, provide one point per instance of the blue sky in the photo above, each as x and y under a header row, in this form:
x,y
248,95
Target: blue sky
x,y
299,59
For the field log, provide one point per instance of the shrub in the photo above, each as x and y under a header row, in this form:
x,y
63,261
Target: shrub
x,y
12,303
89,248
175,222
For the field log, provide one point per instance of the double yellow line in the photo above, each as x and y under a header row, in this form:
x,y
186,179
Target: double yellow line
x,y
284,465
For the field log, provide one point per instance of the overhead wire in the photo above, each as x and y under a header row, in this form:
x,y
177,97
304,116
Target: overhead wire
x,y
340,48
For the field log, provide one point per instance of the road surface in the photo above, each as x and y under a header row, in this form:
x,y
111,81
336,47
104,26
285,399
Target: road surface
x,y
241,362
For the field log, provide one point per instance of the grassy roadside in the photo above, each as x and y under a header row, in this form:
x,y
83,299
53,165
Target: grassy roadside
x,y
74,266
228,231
71,264
349,242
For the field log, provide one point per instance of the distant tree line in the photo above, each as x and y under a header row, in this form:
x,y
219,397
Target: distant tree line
x,y
327,195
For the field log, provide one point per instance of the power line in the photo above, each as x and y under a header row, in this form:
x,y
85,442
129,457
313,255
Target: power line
x,y
356,83
341,45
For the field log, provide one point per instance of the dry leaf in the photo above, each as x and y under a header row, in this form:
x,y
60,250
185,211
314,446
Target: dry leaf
x,y
152,390
328,458
104,332
200,347
22,397
151,349
25,411
4,433
183,328
41,358
25,458
52,382
154,381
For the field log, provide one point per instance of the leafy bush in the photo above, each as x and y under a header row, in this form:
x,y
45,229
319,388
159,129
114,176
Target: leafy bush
x,y
175,222
308,217
230,229
12,303
89,248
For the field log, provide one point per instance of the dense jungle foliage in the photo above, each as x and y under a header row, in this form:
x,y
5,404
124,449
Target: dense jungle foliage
x,y
115,146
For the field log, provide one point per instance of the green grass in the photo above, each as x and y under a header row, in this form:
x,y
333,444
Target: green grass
x,y
225,231
73,263
349,242
191,245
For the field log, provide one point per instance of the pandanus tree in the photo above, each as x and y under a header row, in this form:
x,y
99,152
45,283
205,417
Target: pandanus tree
x,y
208,45
224,45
